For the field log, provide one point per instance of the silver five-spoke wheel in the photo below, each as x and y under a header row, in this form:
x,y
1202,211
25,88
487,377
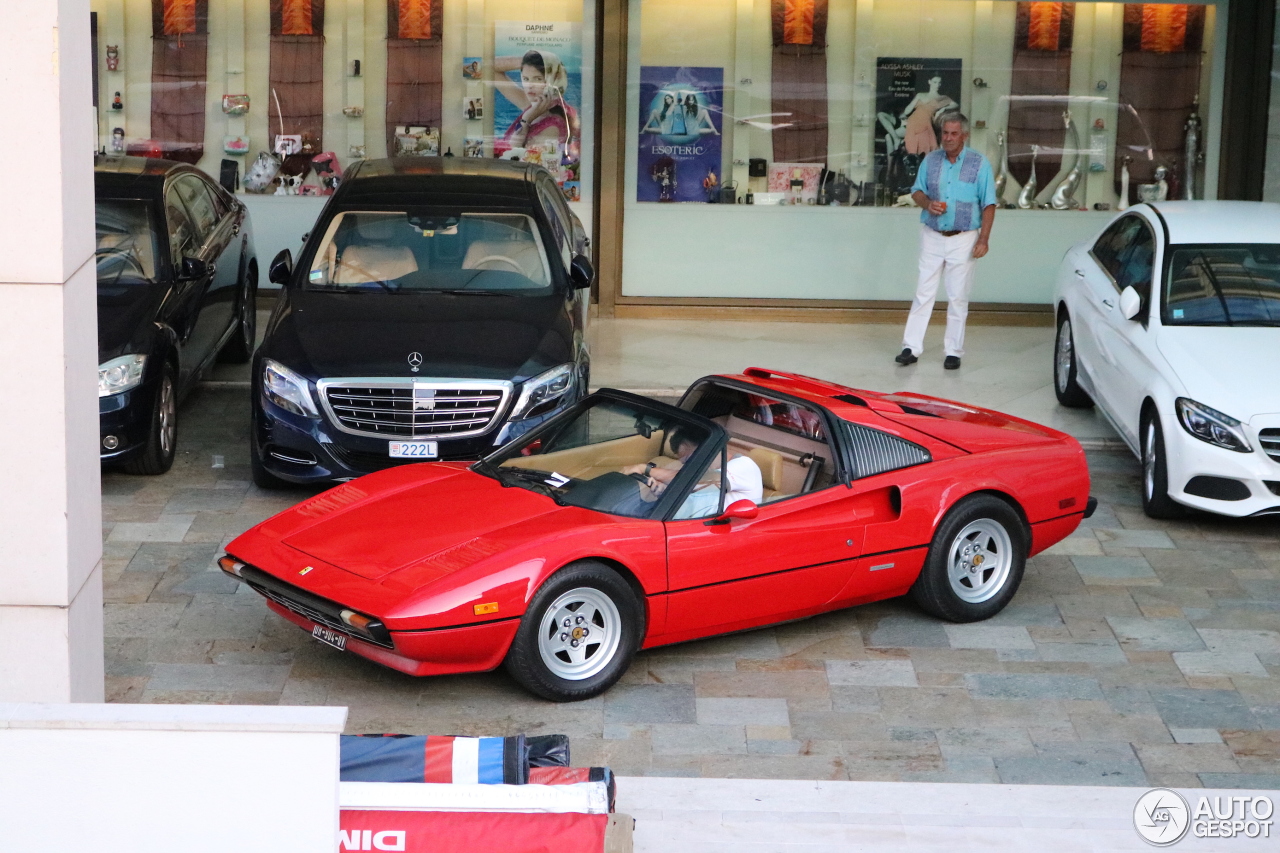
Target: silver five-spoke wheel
x,y
579,634
168,416
1062,361
979,561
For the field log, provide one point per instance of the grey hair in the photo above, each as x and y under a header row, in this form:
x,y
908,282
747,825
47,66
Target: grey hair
x,y
956,117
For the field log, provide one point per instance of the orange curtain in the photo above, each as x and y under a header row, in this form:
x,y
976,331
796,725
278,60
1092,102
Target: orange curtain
x,y
1164,27
414,19
797,22
295,18
179,17
1045,26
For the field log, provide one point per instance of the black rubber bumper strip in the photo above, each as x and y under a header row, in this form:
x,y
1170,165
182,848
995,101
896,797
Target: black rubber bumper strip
x,y
1090,507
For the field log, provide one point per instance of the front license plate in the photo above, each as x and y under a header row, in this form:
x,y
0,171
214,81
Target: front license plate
x,y
412,449
330,638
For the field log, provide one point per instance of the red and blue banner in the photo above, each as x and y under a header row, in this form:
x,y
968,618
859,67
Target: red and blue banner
x,y
435,758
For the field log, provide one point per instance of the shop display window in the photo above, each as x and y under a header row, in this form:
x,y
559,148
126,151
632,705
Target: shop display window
x,y
278,96
1078,106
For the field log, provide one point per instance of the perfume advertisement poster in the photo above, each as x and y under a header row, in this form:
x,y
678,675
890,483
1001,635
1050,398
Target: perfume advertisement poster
x,y
913,94
537,75
681,119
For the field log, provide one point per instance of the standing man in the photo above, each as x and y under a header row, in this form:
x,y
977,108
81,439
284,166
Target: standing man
x,y
957,192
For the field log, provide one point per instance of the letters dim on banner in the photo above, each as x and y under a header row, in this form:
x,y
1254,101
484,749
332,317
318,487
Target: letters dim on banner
x,y
681,120
470,832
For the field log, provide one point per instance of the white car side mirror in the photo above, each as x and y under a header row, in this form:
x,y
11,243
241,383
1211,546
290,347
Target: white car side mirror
x,y
1130,303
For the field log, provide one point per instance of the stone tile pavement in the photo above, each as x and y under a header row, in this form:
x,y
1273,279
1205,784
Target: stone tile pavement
x,y
1136,653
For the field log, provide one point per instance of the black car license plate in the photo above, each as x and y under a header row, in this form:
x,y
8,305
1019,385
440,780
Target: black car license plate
x,y
329,637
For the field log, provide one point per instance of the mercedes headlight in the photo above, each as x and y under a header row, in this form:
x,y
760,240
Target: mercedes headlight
x,y
543,388
1212,426
120,374
287,389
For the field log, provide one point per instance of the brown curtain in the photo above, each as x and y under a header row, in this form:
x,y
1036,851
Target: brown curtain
x,y
800,80
1041,68
296,98
179,54
1159,80
415,75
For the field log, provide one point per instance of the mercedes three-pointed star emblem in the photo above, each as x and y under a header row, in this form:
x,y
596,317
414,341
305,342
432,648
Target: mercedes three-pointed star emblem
x,y
415,361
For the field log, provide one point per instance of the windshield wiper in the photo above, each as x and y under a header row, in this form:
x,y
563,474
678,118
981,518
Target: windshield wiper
x,y
538,479
464,292
1217,288
487,468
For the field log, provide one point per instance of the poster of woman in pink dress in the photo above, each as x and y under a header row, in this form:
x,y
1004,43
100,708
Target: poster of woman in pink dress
x,y
536,73
913,94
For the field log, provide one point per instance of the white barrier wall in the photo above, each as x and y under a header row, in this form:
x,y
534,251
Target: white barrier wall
x,y
189,778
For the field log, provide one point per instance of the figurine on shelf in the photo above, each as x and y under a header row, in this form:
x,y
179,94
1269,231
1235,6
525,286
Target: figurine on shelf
x,y
1162,183
1191,148
113,57
1124,183
1064,194
117,140
1027,195
116,103
1002,177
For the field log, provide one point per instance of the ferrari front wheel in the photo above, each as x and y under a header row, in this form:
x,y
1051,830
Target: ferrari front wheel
x,y
975,561
579,634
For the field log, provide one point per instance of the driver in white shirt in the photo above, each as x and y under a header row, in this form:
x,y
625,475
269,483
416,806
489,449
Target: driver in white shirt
x,y
743,481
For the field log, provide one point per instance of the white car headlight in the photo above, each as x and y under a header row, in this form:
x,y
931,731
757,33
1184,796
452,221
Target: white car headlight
x,y
287,389
554,383
120,374
1212,426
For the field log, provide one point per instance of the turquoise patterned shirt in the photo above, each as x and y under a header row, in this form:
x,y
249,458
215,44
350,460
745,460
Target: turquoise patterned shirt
x,y
967,186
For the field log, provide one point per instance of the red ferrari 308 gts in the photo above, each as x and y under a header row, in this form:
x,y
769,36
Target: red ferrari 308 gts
x,y
625,523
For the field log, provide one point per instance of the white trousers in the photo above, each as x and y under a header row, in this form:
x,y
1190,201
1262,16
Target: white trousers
x,y
948,260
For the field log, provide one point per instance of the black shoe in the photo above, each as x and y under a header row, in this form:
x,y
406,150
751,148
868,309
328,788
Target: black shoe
x,y
906,356
951,362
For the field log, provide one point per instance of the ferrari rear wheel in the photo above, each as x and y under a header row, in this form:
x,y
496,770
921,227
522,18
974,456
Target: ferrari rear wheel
x,y
579,634
975,561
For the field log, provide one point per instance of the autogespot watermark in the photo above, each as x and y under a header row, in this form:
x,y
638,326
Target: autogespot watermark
x,y
1163,817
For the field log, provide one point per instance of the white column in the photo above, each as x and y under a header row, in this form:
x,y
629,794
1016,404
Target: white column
x,y
50,498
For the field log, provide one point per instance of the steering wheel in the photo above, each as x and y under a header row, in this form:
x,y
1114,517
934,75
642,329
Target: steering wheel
x,y
498,259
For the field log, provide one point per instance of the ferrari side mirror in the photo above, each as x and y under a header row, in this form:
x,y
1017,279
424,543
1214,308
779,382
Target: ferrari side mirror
x,y
1130,303
743,509
281,268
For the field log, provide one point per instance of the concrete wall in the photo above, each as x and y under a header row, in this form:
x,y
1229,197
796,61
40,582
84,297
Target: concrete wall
x,y
190,778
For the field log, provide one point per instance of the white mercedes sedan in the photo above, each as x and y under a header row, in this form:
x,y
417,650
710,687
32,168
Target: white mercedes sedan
x,y
1169,320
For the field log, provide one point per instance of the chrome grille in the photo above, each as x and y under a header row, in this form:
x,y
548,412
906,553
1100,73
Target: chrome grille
x,y
413,408
1270,441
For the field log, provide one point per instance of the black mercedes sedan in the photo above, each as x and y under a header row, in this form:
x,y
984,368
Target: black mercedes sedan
x,y
437,310
177,282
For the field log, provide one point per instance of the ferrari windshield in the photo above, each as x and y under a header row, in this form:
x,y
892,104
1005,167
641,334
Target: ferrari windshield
x,y
125,251
431,251
614,457
1223,285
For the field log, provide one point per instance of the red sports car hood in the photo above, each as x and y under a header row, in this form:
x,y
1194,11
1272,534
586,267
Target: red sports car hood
x,y
418,519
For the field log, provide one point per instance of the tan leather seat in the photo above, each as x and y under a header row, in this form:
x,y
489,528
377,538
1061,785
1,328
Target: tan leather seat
x,y
362,264
770,464
518,256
